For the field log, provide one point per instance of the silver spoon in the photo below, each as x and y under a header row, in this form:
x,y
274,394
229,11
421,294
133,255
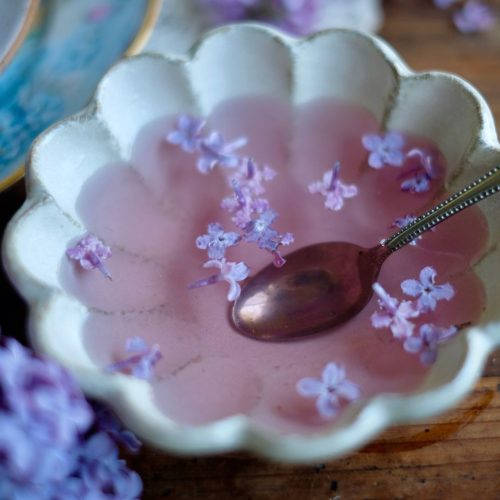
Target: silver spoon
x,y
326,284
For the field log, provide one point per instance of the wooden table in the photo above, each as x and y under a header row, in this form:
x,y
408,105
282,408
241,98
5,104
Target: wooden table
x,y
455,456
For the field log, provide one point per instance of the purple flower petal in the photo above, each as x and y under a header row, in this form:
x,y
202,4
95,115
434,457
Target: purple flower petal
x,y
329,390
474,17
140,365
217,241
231,272
309,386
394,314
333,189
90,252
188,133
384,150
426,290
215,152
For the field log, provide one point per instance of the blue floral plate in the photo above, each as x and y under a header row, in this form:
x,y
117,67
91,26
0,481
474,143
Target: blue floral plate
x,y
56,69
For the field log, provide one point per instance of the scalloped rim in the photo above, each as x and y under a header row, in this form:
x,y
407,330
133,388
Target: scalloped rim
x,y
357,425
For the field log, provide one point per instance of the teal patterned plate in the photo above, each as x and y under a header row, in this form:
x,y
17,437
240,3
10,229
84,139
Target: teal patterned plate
x,y
55,71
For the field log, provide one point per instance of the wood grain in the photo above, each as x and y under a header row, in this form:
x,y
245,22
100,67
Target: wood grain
x,y
455,456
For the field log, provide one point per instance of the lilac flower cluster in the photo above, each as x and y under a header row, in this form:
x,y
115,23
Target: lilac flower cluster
x,y
333,189
44,418
387,149
470,16
294,16
329,390
249,211
397,315
142,361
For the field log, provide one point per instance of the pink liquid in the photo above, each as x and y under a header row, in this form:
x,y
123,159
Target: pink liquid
x,y
152,210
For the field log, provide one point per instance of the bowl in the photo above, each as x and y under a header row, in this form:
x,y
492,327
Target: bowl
x,y
226,64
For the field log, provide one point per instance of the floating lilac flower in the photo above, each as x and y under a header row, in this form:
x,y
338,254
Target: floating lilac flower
x,y
426,290
214,151
100,473
243,205
427,341
217,241
259,231
250,176
231,272
427,169
418,183
401,222
384,149
333,189
329,390
142,361
91,252
429,162
187,135
474,17
393,314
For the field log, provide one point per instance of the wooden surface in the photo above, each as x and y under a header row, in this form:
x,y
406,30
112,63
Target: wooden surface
x,y
455,456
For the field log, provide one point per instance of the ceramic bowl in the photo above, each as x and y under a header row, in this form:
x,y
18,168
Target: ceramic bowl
x,y
224,64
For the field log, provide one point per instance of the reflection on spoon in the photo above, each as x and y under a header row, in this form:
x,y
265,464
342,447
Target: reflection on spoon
x,y
326,284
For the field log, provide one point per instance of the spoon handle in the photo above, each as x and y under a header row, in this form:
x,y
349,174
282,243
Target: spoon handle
x,y
478,190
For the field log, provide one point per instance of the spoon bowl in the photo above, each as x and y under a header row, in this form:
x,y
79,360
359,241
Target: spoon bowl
x,y
320,286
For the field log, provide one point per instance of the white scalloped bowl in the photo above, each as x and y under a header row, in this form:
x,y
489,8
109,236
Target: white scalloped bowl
x,y
229,62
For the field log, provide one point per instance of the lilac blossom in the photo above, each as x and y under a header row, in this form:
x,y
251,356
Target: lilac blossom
x,y
329,390
294,16
231,272
384,149
474,17
187,135
427,169
250,176
427,341
444,4
333,189
259,231
243,205
426,290
108,422
142,361
91,252
42,395
44,417
394,314
214,151
100,473
217,241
